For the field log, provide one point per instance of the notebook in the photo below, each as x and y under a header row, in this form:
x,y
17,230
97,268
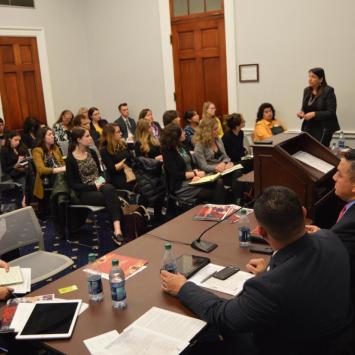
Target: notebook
x,y
11,277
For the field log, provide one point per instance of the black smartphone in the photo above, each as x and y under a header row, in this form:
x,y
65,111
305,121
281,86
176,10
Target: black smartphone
x,y
223,274
261,249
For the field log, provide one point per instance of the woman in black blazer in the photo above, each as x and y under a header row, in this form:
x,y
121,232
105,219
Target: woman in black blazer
x,y
180,169
319,106
85,177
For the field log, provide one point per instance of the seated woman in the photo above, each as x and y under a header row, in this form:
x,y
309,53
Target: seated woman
x,y
211,156
180,169
30,130
96,124
266,124
148,115
145,143
62,127
209,111
85,177
115,156
12,154
191,120
48,162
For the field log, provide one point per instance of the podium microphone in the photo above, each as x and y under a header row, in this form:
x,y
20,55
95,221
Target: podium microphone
x,y
207,247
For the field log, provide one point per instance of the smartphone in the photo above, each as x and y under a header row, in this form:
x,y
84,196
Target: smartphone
x,y
261,249
223,274
100,180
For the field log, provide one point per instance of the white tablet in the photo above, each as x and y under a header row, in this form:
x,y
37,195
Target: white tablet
x,y
51,320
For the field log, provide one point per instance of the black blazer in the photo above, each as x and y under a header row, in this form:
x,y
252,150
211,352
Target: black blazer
x,y
325,108
73,176
175,167
234,145
298,307
154,150
122,124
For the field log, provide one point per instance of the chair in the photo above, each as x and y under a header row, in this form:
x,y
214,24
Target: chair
x,y
20,228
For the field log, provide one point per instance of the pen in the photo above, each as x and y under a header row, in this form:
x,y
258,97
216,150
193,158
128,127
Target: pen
x,y
207,277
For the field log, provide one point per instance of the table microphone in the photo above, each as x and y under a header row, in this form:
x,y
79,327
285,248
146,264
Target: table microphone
x,y
207,247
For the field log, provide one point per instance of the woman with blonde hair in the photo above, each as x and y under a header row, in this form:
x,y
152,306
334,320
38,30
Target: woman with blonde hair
x,y
209,111
145,143
115,156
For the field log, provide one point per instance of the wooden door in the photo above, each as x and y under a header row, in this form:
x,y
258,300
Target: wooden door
x,y
20,81
199,53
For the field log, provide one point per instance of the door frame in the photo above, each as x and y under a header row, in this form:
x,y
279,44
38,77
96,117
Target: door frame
x,y
167,54
37,32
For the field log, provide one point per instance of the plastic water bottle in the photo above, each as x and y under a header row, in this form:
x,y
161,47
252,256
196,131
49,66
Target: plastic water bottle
x,y
117,283
168,262
341,140
244,229
334,148
96,293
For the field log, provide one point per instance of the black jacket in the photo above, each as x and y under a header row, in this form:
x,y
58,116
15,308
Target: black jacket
x,y
301,306
233,145
154,150
122,124
325,108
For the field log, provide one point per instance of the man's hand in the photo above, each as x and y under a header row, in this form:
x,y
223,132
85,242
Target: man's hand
x,y
171,283
256,266
310,228
4,265
5,293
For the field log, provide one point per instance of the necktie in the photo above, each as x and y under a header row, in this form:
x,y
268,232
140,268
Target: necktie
x,y
341,214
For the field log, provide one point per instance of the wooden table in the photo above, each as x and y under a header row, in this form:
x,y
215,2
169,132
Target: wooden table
x,y
143,289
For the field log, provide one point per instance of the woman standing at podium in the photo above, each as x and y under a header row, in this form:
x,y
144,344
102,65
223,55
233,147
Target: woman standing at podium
x,y
319,106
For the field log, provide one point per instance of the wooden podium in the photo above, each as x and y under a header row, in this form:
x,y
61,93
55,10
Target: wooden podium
x,y
275,165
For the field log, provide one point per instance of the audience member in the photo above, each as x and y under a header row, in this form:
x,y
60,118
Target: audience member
x,y
83,111
30,130
209,111
115,156
3,132
148,115
84,176
96,123
319,107
297,305
266,124
181,170
171,116
127,124
82,121
13,162
145,143
191,121
233,139
63,125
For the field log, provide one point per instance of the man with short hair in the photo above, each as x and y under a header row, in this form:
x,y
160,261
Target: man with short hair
x,y
127,124
171,116
298,304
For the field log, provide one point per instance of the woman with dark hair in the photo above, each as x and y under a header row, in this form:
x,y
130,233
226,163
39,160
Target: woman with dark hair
x,y
13,162
115,156
96,124
145,143
319,107
180,169
48,161
85,177
191,120
30,130
233,139
266,124
148,115
63,125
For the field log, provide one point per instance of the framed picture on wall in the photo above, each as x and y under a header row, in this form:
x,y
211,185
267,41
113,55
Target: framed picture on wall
x,y
249,73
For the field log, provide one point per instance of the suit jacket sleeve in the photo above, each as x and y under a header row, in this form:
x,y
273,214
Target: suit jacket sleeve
x,y
252,310
328,110
200,159
38,160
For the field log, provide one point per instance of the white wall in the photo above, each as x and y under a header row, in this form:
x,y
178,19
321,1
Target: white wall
x,y
287,38
125,60
64,25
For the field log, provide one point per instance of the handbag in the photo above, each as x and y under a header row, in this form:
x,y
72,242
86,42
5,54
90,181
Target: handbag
x,y
129,173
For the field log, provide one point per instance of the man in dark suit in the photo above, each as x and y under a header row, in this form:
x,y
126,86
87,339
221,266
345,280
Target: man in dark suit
x,y
299,304
344,228
126,123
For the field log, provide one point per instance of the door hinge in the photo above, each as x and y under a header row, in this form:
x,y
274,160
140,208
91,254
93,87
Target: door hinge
x,y
171,39
175,96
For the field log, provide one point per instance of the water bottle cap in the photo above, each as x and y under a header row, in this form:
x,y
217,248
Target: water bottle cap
x,y
243,211
167,246
91,257
115,262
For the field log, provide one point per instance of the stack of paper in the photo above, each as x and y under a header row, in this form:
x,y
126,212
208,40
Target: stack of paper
x,y
24,286
10,277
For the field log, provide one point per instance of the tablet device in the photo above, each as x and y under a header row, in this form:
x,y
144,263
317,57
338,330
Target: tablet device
x,y
188,265
51,320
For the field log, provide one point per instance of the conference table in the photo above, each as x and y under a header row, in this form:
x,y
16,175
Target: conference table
x,y
143,289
